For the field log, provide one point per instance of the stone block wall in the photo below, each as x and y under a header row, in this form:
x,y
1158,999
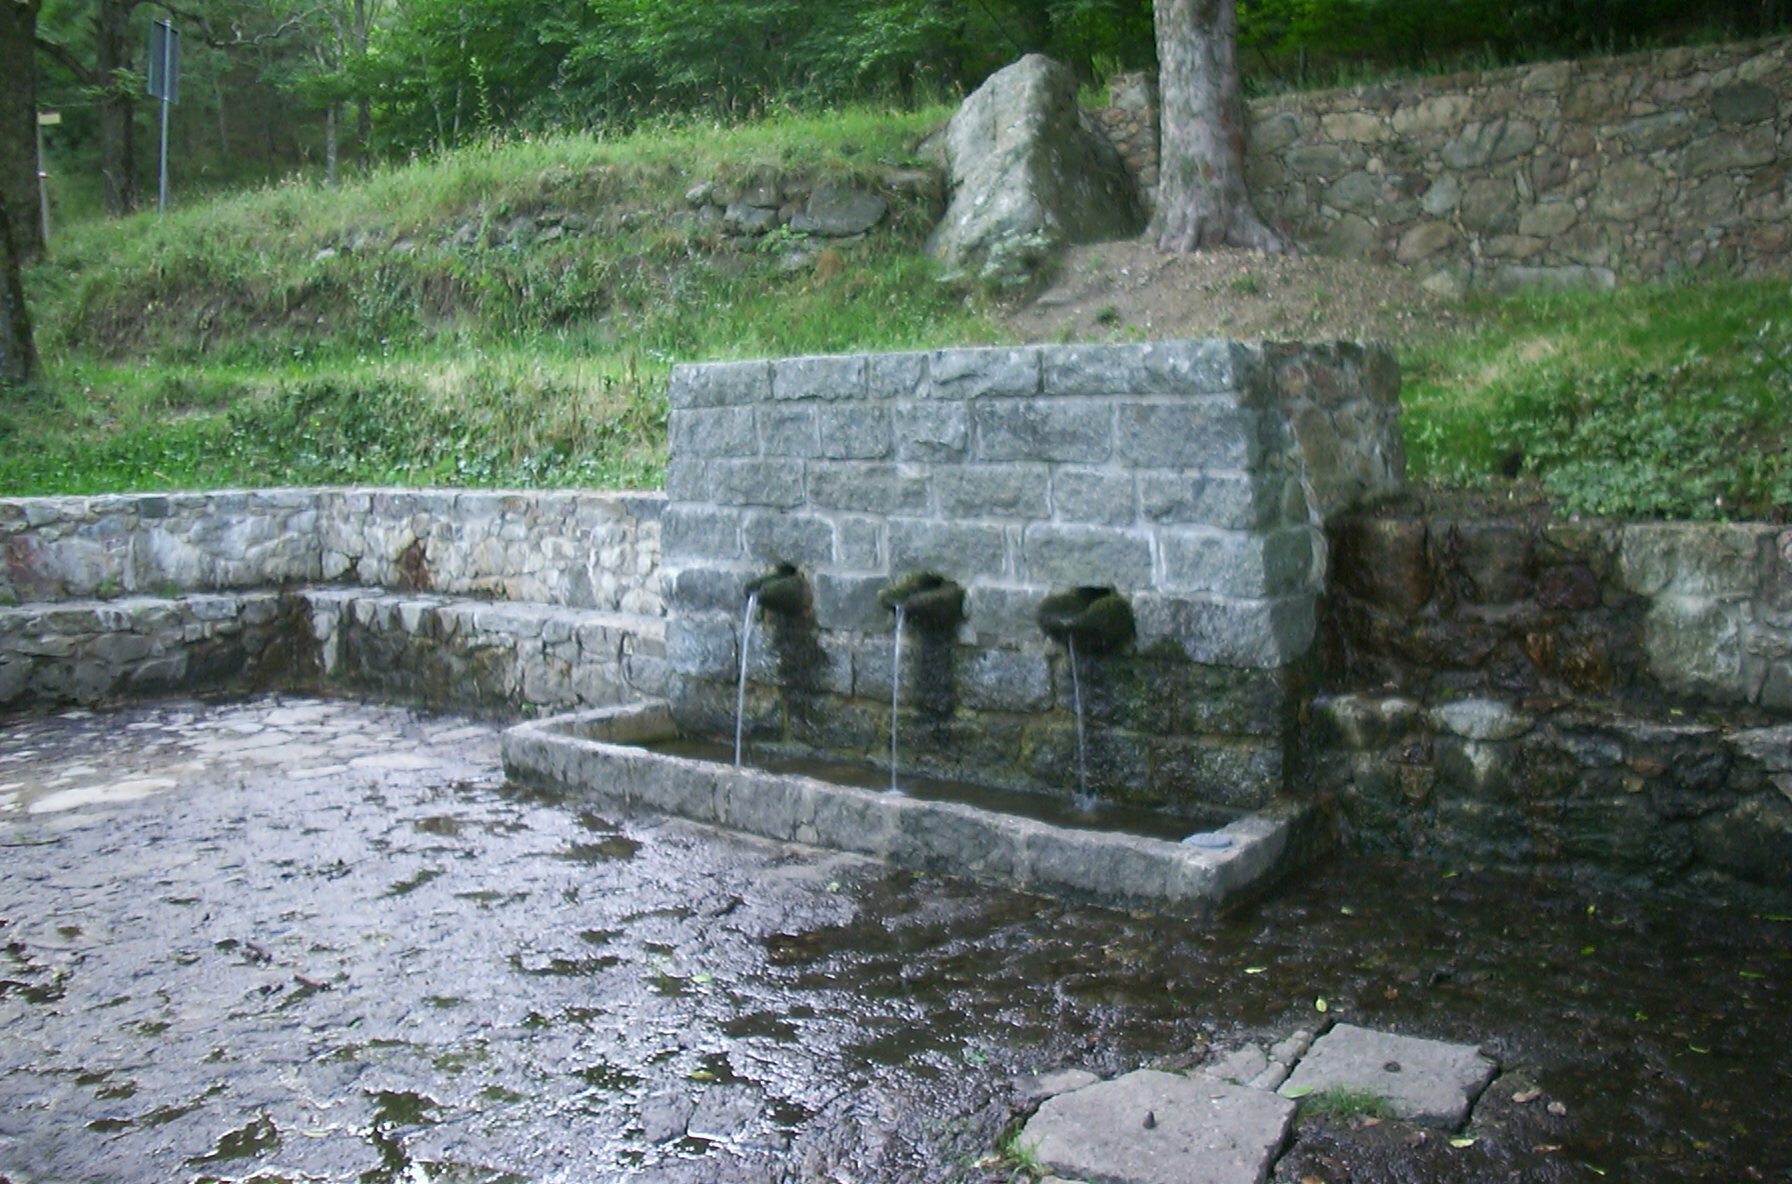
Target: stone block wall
x,y
1601,700
82,651
1189,476
1579,172
469,599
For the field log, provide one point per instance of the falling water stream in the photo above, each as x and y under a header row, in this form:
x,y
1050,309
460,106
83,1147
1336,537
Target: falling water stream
x,y
740,693
1083,800
895,693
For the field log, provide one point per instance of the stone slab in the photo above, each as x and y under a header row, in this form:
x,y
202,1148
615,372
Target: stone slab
x,y
1151,1127
1427,1081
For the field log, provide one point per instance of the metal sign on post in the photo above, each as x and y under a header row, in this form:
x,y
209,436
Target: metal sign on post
x,y
44,119
164,84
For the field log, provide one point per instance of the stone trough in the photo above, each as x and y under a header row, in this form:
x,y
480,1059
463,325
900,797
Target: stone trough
x,y
601,754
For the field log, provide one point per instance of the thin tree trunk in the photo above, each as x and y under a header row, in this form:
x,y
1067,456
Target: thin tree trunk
x,y
330,144
18,123
18,353
118,107
1201,196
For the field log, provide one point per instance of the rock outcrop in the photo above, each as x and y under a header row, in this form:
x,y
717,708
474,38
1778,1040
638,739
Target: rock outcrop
x,y
1028,175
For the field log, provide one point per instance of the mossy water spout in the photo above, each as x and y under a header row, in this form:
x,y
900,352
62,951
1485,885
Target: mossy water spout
x,y
926,600
1095,619
781,591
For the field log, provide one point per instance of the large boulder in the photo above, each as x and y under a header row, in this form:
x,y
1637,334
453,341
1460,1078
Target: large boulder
x,y
1027,175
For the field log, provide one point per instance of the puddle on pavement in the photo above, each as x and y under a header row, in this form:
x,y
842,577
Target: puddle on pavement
x,y
173,990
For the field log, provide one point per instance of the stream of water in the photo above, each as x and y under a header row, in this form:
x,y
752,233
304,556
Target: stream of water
x,y
895,694
740,693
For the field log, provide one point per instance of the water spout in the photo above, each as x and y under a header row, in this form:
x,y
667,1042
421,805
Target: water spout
x,y
781,590
928,600
1098,618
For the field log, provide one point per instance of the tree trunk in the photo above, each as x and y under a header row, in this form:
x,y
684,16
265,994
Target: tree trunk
x,y
118,103
1201,195
18,124
330,144
18,354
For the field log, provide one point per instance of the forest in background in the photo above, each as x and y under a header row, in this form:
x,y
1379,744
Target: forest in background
x,y
270,87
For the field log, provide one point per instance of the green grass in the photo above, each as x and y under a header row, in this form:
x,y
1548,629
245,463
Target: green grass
x,y
1661,400
1340,1103
279,336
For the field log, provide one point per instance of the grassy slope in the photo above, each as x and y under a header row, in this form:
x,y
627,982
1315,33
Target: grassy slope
x,y
280,336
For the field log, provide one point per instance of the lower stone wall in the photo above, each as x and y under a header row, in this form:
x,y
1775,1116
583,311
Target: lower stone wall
x,y
1668,804
469,655
1601,700
1436,603
468,599
85,651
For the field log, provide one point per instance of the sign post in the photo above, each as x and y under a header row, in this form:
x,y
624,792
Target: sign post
x,y
44,119
164,84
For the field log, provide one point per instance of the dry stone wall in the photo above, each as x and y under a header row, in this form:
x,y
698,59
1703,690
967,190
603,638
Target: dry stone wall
x,y
1602,700
582,550
469,599
1581,172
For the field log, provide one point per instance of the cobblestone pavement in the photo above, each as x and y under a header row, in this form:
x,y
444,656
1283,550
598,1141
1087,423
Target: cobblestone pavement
x,y
295,939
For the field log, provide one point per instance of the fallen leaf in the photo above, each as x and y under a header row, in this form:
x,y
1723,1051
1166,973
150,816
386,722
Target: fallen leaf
x,y
1527,1095
1547,1148
1464,1141
1255,969
1309,1178
1320,1004
1557,1109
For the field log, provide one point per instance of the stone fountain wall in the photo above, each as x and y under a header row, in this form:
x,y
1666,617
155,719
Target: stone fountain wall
x,y
1191,476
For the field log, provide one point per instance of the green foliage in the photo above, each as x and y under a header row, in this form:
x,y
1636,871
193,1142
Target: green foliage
x,y
1670,400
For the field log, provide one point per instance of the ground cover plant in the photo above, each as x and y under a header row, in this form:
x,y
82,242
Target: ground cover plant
x,y
1668,400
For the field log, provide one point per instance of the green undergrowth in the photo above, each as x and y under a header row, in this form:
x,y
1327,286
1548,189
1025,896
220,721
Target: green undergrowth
x,y
1670,400
402,329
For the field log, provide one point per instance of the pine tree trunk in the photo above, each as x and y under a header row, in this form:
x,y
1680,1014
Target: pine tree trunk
x,y
18,124
1201,195
18,355
330,144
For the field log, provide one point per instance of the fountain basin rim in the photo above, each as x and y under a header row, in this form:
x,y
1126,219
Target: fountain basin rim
x,y
598,753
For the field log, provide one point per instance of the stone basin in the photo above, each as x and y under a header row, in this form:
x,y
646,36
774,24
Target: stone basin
x,y
603,754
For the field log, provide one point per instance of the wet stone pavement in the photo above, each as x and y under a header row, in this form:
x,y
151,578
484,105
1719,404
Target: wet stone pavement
x,y
294,939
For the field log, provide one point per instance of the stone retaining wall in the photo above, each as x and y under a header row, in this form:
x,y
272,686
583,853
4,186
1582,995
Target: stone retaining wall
x,y
470,599
1568,172
582,550
82,651
1601,700
1187,475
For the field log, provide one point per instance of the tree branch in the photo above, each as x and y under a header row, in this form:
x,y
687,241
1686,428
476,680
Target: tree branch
x,y
62,54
